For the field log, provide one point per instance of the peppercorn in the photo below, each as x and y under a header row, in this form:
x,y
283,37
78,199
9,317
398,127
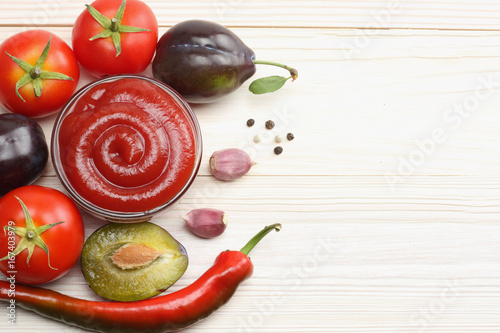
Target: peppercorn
x,y
278,139
290,136
256,139
269,124
278,150
250,122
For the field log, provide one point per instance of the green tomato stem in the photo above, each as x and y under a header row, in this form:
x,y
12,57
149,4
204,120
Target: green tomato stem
x,y
257,238
113,27
35,72
30,236
114,24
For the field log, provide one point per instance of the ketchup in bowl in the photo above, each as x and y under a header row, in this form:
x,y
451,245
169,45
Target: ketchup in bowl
x,y
126,147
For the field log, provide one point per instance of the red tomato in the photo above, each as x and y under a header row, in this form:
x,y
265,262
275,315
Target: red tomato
x,y
64,241
99,56
28,46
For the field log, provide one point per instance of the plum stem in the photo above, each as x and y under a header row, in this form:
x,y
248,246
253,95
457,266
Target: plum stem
x,y
293,72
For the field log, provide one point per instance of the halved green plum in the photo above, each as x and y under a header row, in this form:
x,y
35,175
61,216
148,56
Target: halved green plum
x,y
131,262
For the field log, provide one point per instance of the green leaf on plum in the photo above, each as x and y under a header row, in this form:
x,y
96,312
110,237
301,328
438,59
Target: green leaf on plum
x,y
267,84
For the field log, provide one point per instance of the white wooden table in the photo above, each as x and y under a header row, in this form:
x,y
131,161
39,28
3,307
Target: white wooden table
x,y
389,195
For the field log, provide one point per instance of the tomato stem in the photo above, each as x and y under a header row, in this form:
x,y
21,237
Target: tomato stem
x,y
30,236
114,24
35,72
113,27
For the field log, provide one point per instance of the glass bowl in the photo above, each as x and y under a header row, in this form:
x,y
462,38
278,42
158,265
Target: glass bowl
x,y
126,148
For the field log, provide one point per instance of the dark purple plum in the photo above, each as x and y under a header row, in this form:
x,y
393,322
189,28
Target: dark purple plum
x,y
202,60
23,151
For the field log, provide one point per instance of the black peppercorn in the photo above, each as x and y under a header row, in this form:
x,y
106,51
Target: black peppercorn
x,y
290,136
278,150
250,122
269,124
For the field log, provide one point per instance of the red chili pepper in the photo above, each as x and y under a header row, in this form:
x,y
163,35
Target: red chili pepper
x,y
162,314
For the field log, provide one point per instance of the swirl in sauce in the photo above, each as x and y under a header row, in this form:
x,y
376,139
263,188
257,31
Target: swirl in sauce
x,y
127,146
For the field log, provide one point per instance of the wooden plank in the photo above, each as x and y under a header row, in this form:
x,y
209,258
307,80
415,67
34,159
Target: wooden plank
x,y
389,195
409,103
343,199
363,14
367,260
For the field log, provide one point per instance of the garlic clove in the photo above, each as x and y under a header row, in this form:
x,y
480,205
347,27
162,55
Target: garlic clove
x,y
230,164
206,222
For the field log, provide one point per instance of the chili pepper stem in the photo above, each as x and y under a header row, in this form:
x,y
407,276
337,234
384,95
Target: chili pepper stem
x,y
293,72
257,238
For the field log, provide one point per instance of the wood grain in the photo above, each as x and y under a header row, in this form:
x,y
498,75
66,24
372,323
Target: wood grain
x,y
389,195
365,260
410,103
364,14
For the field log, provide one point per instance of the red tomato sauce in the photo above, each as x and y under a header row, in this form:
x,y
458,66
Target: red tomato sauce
x,y
127,146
